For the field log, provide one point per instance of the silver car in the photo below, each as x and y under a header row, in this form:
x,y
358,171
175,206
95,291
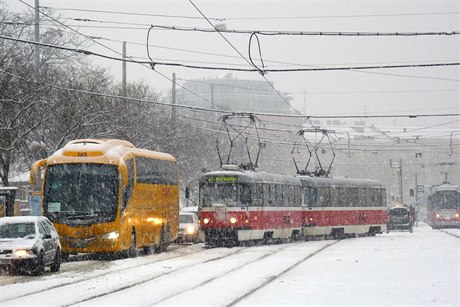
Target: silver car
x,y
189,228
29,243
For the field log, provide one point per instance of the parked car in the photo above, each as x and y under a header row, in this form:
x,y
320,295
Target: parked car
x,y
400,217
29,243
189,228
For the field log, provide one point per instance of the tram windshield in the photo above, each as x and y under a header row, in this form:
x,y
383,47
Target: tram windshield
x,y
230,195
445,200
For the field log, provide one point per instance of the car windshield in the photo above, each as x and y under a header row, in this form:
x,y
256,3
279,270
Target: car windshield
x,y
399,212
17,230
186,219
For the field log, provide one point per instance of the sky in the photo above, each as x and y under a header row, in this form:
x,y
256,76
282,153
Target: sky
x,y
396,269
371,92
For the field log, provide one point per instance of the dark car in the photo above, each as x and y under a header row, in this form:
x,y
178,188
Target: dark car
x,y
400,217
29,243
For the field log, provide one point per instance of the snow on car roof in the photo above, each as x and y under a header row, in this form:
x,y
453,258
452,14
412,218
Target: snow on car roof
x,y
20,219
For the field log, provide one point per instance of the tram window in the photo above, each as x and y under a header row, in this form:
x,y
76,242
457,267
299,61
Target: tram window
x,y
258,195
351,198
359,199
334,202
340,197
323,197
271,195
375,197
311,197
290,196
245,195
297,196
279,195
266,189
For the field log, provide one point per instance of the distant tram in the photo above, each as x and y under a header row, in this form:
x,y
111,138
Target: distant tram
x,y
239,206
443,207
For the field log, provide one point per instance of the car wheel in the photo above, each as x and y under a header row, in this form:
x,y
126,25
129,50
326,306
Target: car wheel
x,y
56,266
39,269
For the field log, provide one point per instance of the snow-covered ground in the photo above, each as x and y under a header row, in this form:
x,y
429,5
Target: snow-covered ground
x,y
395,269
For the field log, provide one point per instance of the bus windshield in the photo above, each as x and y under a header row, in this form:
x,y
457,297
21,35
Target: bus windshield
x,y
81,194
230,195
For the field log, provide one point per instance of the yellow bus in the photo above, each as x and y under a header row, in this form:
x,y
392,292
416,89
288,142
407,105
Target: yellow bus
x,y
107,196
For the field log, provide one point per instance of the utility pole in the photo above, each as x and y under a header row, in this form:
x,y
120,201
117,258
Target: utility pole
x,y
37,40
123,69
173,98
401,181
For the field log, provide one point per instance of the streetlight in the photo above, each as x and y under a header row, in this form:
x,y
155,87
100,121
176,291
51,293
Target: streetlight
x,y
399,166
445,169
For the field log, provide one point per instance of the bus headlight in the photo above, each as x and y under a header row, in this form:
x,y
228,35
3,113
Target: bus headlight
x,y
233,220
206,220
111,235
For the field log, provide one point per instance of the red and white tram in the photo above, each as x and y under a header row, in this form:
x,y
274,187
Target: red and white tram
x,y
241,206
443,208
343,207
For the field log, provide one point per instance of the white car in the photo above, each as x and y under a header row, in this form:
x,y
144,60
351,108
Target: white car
x,y
189,228
29,243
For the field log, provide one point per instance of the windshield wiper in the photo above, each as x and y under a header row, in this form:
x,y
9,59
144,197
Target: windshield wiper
x,y
82,216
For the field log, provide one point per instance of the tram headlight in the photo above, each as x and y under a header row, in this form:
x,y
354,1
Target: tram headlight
x,y
457,215
437,215
233,220
205,220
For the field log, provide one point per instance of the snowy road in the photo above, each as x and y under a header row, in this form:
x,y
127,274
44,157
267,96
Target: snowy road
x,y
396,269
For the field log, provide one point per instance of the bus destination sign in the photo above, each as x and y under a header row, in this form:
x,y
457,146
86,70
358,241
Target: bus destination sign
x,y
223,179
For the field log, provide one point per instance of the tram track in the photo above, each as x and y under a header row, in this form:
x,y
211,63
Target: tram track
x,y
455,235
271,278
252,268
209,280
177,252
39,294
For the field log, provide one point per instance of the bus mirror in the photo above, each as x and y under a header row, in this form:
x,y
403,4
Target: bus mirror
x,y
124,174
35,174
187,192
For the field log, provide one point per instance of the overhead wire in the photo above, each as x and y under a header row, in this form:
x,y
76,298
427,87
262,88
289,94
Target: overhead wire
x,y
256,18
87,52
306,33
319,65
195,108
104,46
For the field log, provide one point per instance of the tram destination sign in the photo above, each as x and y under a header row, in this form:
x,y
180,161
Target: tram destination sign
x,y
222,179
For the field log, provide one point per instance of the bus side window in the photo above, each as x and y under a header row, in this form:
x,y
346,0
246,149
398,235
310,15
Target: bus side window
x,y
128,190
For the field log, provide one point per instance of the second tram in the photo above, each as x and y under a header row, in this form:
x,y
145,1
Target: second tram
x,y
443,208
243,206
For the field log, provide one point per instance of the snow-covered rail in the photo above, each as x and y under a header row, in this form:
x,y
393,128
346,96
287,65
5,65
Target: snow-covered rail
x,y
452,232
86,272
209,283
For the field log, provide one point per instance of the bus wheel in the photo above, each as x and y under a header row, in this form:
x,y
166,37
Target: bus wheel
x,y
164,242
132,252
